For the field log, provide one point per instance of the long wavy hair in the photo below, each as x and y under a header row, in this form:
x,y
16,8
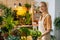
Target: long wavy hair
x,y
45,6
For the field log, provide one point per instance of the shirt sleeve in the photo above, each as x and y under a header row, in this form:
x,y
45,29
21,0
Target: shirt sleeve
x,y
49,22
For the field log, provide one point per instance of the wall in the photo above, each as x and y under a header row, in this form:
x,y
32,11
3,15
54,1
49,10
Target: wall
x,y
57,7
57,14
51,8
10,3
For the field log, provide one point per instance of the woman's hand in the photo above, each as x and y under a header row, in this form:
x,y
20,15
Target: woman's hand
x,y
40,37
34,24
45,33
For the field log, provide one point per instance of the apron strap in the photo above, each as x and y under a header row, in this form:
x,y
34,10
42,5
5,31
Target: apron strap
x,y
45,17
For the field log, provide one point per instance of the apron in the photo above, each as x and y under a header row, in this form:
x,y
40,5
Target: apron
x,y
42,29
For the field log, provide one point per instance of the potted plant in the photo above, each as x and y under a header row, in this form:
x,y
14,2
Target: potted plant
x,y
28,20
57,23
4,32
24,17
35,34
57,27
28,6
14,35
25,32
9,23
29,32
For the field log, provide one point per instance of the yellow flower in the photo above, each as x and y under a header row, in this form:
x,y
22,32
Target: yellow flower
x,y
21,11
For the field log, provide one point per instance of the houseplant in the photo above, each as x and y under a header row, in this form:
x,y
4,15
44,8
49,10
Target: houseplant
x,y
23,15
57,22
24,32
8,26
35,34
8,21
27,6
57,28
29,32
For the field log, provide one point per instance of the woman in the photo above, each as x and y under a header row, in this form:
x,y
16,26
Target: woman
x,y
44,23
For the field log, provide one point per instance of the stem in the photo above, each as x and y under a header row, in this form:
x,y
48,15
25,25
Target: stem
x,y
26,37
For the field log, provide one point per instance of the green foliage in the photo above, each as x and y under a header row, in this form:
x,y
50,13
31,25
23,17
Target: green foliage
x,y
57,23
1,19
11,37
35,33
25,20
9,23
4,29
30,32
27,5
28,19
8,12
16,32
2,6
25,30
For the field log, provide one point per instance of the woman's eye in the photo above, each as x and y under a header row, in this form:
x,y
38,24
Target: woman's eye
x,y
41,6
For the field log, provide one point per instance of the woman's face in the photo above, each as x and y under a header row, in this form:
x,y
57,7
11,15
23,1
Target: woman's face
x,y
42,7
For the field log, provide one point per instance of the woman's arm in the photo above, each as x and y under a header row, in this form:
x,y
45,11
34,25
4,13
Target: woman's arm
x,y
48,24
34,24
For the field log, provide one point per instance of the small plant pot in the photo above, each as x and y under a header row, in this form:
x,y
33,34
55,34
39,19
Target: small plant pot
x,y
34,38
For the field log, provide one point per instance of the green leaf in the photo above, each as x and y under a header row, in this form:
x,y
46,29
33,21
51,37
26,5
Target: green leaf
x,y
27,5
28,19
57,22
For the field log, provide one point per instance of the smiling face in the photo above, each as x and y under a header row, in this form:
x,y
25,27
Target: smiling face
x,y
43,7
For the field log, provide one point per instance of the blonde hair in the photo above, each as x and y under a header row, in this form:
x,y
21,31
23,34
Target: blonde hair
x,y
45,5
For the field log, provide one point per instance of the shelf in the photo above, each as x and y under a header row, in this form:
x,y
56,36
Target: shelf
x,y
25,26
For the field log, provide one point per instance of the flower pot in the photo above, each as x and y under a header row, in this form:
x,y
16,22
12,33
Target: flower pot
x,y
56,33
